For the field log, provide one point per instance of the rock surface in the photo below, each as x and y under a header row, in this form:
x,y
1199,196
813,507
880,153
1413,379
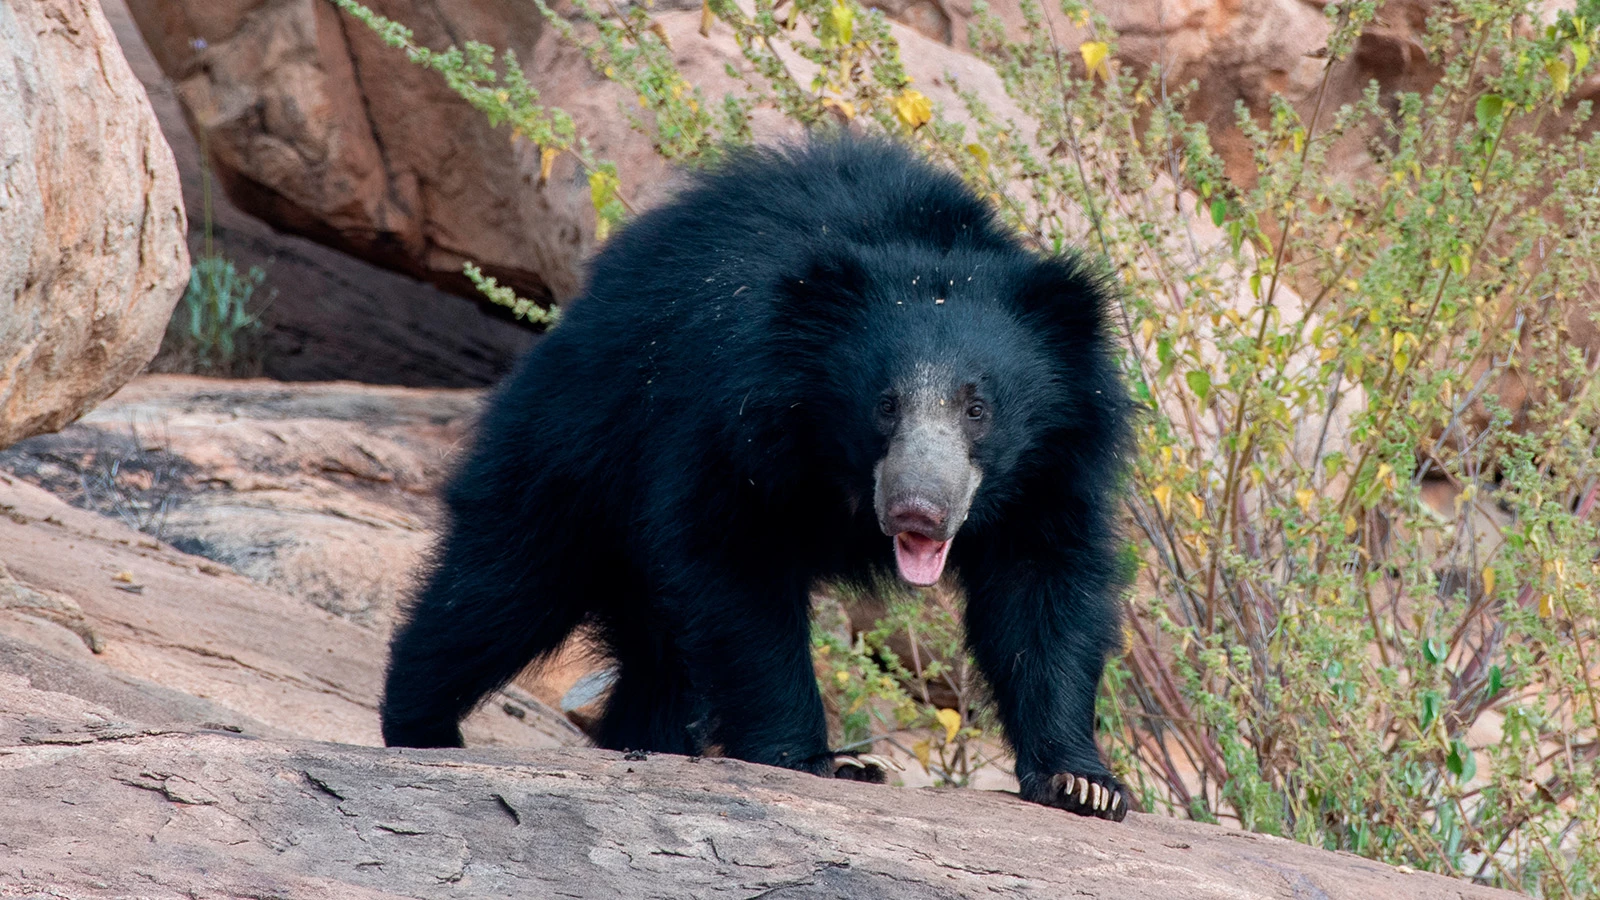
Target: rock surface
x,y
92,254
94,805
325,492
152,632
329,315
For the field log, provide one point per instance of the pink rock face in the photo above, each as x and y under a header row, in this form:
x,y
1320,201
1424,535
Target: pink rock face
x,y
315,126
92,255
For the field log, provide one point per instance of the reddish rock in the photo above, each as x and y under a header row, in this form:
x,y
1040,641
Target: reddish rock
x,y
92,256
325,314
94,805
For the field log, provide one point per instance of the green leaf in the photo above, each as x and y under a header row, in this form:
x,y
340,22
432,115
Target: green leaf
x,y
1200,382
1219,211
1430,708
1490,107
1460,762
1434,650
1580,55
1496,680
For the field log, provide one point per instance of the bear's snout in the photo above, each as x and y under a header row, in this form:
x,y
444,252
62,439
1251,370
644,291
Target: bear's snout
x,y
919,515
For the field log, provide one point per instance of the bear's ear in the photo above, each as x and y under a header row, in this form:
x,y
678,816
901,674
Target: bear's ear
x,y
1068,297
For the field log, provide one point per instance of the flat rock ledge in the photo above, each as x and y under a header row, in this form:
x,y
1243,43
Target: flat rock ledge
x,y
90,807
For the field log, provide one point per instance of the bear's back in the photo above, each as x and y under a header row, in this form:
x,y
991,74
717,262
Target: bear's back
x,y
763,216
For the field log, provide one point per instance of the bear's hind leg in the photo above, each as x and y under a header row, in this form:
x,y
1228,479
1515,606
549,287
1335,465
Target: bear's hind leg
x,y
652,705
481,619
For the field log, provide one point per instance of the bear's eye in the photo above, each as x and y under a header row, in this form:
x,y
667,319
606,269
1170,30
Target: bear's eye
x,y
888,407
977,410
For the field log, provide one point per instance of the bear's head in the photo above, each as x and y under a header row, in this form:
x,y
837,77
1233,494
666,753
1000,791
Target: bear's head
x,y
944,382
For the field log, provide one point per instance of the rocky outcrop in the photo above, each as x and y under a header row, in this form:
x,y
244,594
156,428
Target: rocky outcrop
x,y
324,492
327,315
316,127
95,608
92,804
92,254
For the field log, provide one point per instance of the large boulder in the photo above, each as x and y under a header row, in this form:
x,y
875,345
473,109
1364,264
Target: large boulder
x,y
326,315
92,254
316,127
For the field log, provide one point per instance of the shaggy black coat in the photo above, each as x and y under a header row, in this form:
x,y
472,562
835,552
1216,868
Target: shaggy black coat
x,y
694,447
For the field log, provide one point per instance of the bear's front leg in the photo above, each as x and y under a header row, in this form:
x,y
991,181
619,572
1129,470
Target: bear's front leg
x,y
750,646
1041,634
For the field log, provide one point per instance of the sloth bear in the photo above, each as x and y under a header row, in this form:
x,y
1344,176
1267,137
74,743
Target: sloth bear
x,y
815,362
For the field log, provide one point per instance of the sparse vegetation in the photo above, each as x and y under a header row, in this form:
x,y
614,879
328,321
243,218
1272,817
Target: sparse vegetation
x,y
213,330
1365,496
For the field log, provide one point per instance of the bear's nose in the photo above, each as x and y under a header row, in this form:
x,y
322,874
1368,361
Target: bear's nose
x,y
915,514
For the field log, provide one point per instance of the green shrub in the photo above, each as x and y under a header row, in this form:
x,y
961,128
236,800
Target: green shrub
x,y
212,330
1364,502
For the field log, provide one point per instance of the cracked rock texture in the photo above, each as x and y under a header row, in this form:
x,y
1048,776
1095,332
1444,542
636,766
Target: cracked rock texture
x,y
92,254
94,805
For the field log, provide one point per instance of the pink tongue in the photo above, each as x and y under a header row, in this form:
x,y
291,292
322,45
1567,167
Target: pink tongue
x,y
921,559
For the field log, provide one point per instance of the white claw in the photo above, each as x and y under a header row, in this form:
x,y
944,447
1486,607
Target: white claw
x,y
1116,800
1083,792
882,762
840,761
1069,785
1099,797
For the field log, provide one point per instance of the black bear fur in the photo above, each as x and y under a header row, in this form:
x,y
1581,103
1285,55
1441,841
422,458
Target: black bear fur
x,y
703,437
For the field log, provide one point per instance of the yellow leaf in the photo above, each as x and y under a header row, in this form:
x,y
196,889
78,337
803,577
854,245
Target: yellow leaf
x,y
1560,75
1350,525
951,720
1305,497
1146,329
842,677
913,108
547,161
1547,606
1094,57
842,107
1163,495
843,18
1488,581
921,750
1197,505
1386,474
707,18
979,153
